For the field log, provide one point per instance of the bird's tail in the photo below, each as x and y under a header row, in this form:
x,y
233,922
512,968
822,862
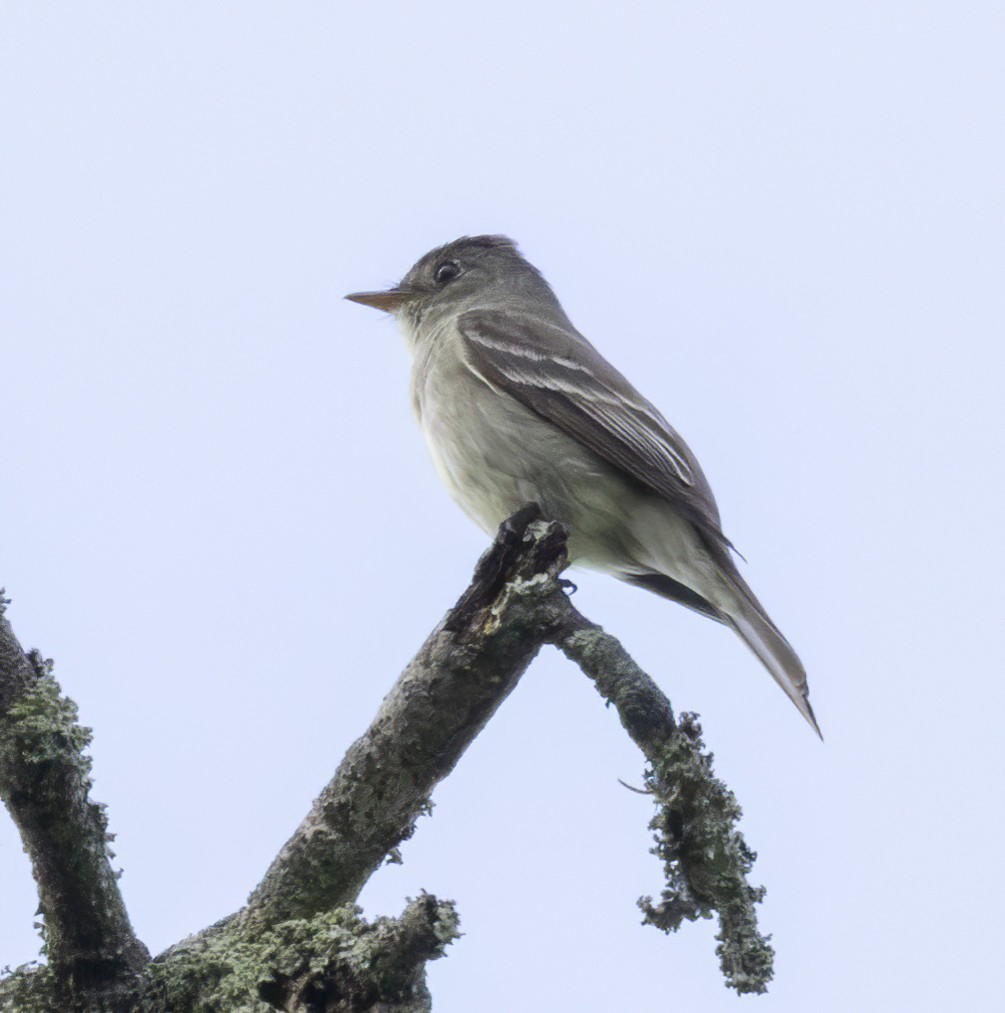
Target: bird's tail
x,y
764,638
735,605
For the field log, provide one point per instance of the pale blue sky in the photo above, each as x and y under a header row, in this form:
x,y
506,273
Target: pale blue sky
x,y
783,221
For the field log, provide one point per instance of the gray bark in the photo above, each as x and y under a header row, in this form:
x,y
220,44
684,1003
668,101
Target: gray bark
x,y
468,666
300,944
44,782
705,858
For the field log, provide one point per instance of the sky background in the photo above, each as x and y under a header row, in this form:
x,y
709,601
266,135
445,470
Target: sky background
x,y
784,221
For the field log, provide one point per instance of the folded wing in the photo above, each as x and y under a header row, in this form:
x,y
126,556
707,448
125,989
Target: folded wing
x,y
556,373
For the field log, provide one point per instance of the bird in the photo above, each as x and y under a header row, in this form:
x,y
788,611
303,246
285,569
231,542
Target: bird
x,y
517,406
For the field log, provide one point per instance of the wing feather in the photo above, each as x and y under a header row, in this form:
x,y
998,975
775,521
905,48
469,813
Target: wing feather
x,y
556,373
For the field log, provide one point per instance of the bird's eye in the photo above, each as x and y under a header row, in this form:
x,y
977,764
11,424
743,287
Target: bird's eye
x,y
446,271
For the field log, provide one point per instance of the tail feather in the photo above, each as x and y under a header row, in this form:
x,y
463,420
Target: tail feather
x,y
777,656
740,609
750,620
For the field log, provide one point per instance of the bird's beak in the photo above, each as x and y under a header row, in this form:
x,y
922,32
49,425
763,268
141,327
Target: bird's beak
x,y
390,301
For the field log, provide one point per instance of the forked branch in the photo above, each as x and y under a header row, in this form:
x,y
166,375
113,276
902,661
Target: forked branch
x,y
300,943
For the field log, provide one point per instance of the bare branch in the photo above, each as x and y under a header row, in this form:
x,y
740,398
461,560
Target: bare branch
x,y
463,672
300,943
705,857
465,669
44,781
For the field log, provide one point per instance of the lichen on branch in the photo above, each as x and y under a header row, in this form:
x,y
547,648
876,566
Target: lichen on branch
x,y
705,858
300,943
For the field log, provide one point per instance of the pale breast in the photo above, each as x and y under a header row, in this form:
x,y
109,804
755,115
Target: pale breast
x,y
495,455
475,435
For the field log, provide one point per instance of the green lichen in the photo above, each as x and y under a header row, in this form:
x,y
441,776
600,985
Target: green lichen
x,y
705,859
335,960
27,989
44,722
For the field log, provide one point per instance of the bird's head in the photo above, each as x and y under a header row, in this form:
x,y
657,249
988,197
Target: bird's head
x,y
473,272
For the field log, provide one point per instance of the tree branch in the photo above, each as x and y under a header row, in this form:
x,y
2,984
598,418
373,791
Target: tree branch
x,y
300,943
44,781
464,671
334,962
706,859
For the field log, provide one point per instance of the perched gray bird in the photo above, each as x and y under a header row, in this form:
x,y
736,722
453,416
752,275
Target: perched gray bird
x,y
517,406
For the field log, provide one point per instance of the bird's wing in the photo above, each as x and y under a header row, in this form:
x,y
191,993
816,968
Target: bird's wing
x,y
559,375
